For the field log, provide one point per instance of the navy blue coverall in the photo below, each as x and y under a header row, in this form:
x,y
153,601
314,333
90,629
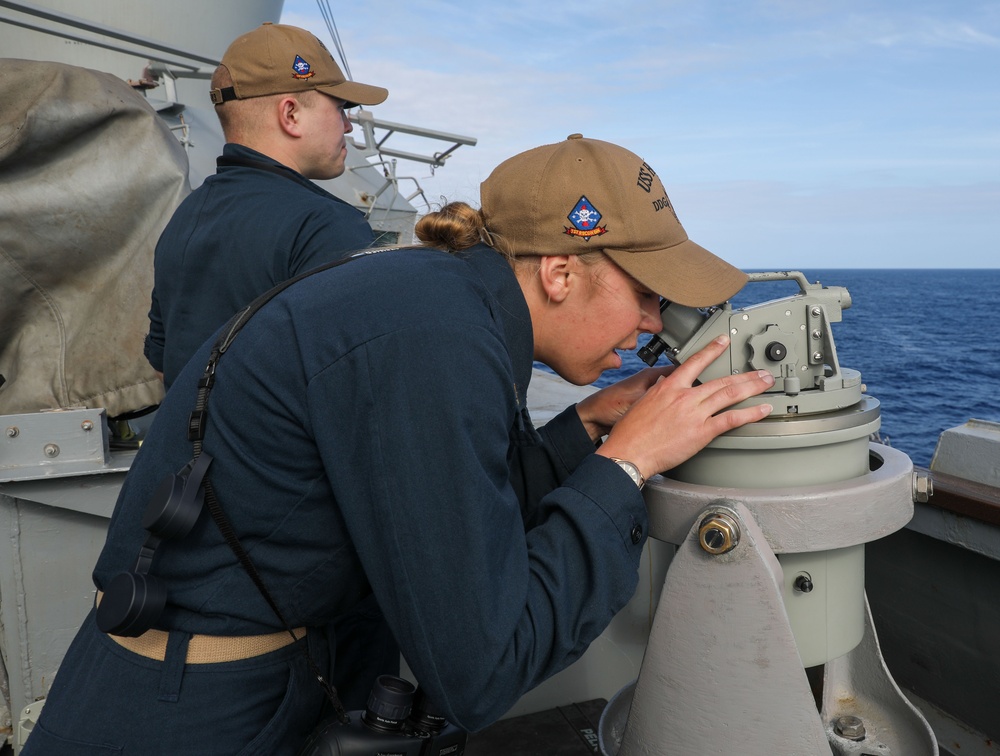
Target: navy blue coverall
x,y
252,225
369,434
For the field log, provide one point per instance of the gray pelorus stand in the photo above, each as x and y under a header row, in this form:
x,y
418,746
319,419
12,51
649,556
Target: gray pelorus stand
x,y
763,644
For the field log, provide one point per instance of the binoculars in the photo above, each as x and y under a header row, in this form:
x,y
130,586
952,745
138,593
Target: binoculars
x,y
398,720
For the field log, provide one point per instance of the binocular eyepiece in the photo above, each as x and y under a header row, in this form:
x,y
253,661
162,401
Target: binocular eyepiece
x,y
389,704
397,719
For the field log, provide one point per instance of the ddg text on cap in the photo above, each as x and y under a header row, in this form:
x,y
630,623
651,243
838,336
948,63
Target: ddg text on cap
x,y
585,195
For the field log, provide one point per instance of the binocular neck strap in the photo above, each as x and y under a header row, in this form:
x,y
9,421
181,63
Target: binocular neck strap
x,y
196,434
222,522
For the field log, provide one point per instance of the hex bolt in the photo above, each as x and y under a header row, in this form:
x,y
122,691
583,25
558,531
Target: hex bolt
x,y
803,583
849,727
87,425
719,533
12,431
923,487
51,450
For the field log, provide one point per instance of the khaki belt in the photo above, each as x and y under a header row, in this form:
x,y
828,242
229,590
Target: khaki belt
x,y
208,649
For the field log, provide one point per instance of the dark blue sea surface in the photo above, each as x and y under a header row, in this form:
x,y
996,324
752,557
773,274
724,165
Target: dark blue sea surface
x,y
926,342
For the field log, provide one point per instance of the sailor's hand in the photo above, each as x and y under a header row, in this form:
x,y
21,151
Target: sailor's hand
x,y
673,419
602,409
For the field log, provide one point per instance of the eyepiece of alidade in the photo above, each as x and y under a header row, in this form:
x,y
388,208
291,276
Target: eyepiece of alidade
x,y
651,352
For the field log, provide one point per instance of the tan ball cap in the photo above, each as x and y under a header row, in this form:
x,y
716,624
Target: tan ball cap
x,y
278,59
585,195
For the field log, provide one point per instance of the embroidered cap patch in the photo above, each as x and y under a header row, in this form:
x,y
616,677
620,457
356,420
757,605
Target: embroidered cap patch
x,y
585,219
301,68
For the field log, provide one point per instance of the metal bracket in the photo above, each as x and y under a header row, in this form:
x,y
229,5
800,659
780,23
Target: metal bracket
x,y
54,444
722,673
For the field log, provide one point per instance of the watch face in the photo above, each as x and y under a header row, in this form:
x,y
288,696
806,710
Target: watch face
x,y
632,470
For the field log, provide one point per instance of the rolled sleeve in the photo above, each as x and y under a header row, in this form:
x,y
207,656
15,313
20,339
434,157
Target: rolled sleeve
x,y
568,439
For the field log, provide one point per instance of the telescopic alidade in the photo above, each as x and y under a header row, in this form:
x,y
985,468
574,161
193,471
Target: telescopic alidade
x,y
763,641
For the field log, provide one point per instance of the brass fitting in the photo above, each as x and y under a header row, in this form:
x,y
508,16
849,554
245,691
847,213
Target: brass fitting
x,y
719,533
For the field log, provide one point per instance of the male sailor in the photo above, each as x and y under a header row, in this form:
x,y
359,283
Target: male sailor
x,y
282,101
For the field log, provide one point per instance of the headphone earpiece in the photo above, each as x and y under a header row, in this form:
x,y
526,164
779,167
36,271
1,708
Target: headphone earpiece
x,y
131,604
174,508
133,601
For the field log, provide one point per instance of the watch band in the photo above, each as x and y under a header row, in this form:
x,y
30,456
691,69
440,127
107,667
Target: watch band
x,y
631,470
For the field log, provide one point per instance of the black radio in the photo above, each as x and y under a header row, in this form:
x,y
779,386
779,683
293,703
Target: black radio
x,y
398,721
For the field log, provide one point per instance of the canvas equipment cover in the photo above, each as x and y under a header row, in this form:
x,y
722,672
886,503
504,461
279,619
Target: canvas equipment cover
x,y
89,176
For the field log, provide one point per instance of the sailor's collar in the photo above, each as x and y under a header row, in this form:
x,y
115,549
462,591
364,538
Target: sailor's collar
x,y
513,314
241,156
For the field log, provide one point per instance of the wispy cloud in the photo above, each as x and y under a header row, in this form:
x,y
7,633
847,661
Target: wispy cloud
x,y
934,33
875,106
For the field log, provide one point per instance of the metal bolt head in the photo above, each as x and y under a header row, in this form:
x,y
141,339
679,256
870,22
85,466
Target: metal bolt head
x,y
816,312
849,727
817,356
87,425
12,431
719,533
923,487
816,334
51,450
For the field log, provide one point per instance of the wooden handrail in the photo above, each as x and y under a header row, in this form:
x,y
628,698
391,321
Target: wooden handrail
x,y
964,497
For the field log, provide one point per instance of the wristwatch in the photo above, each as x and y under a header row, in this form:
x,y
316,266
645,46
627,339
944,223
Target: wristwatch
x,y
631,470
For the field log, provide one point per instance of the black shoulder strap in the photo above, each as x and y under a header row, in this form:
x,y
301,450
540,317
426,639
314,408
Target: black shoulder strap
x,y
196,422
240,319
196,434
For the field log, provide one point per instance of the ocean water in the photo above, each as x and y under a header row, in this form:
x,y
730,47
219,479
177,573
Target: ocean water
x,y
926,342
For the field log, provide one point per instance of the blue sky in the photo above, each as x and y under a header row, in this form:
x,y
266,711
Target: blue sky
x,y
789,133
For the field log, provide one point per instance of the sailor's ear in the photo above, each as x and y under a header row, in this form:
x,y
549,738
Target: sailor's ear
x,y
289,113
557,275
